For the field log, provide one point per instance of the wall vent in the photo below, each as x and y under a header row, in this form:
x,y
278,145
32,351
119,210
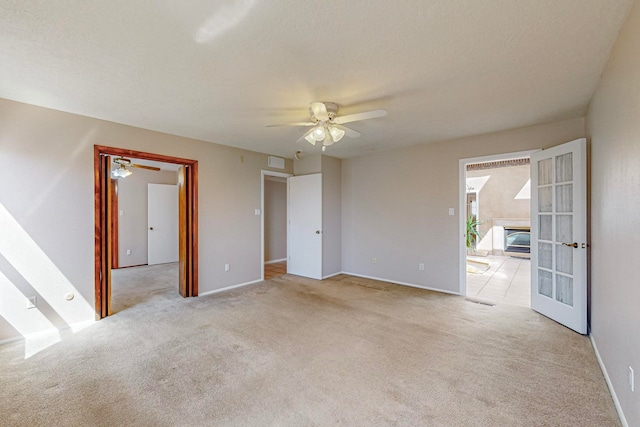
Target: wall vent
x,y
276,162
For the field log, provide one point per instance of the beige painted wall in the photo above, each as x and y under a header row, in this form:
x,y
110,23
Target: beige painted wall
x,y
132,223
331,216
308,164
497,200
49,156
613,126
395,204
275,220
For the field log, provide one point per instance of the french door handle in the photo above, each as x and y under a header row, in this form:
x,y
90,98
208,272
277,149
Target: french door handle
x,y
573,245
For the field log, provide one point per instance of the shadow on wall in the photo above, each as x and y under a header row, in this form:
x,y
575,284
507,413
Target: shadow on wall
x,y
26,272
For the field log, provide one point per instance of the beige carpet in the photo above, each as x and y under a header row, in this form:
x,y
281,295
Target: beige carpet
x,y
298,352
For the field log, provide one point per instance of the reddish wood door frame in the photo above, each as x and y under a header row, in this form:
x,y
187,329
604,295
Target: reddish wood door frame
x,y
187,229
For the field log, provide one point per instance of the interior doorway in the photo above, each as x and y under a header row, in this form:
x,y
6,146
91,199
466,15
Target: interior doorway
x,y
274,206
495,225
107,253
144,236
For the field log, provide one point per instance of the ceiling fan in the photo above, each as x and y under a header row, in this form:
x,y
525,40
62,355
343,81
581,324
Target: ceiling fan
x,y
121,170
327,125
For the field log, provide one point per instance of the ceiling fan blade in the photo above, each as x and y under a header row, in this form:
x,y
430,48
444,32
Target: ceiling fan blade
x,y
292,124
302,138
320,111
151,168
349,132
360,116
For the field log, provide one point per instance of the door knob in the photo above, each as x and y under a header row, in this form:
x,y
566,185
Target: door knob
x,y
150,228
317,231
573,245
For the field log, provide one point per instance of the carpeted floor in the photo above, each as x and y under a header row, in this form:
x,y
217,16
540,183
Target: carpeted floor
x,y
299,352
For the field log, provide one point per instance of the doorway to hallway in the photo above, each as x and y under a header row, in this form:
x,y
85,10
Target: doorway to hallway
x,y
275,212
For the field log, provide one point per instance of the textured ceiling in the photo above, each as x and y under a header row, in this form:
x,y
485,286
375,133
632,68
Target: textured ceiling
x,y
221,70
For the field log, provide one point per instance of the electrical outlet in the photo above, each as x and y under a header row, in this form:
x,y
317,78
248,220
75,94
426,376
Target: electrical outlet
x,y
374,260
421,266
31,302
227,267
631,379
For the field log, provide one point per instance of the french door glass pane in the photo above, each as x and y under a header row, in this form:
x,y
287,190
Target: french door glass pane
x,y
564,228
545,200
545,283
544,172
564,289
545,227
564,168
545,255
564,198
564,259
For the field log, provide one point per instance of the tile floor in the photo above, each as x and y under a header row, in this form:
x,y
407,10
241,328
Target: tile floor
x,y
506,281
275,270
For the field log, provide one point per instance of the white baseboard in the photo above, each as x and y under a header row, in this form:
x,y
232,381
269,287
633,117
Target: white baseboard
x,y
228,288
10,340
332,275
616,402
273,261
74,327
412,285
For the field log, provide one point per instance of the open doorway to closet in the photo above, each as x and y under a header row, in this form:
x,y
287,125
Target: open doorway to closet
x,y
180,197
274,224
496,214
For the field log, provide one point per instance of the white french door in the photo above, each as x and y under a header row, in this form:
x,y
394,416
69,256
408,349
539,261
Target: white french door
x,y
304,232
559,234
162,217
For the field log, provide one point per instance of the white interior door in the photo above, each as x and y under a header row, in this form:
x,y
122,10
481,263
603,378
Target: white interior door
x,y
305,226
162,232
559,234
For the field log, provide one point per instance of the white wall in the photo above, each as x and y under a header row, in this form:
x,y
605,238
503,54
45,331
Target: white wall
x,y
132,203
395,204
47,188
613,126
275,220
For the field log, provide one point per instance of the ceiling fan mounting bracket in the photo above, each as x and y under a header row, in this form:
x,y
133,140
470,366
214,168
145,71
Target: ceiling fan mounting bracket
x,y
122,161
332,111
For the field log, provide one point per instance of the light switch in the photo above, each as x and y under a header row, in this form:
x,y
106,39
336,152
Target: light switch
x,y
257,212
452,211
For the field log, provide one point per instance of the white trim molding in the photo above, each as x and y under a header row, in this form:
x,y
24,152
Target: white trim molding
x,y
395,282
616,402
228,288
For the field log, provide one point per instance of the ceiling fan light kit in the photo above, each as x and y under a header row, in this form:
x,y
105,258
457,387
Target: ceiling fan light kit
x,y
327,125
121,171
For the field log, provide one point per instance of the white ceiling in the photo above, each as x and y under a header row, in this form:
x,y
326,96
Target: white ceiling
x,y
221,70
